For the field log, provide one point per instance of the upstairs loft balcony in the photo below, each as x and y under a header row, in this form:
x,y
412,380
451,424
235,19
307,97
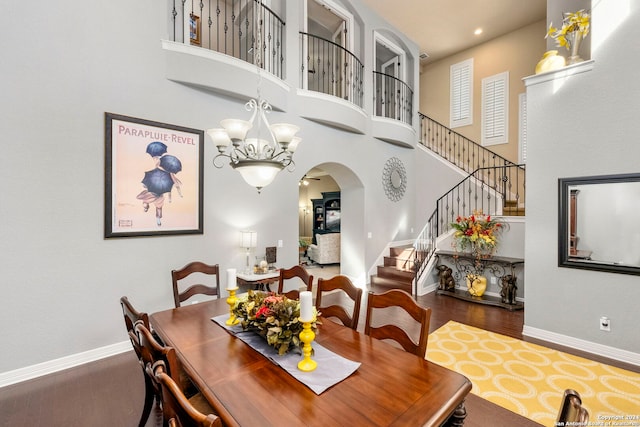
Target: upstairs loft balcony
x,y
393,98
329,68
234,28
221,45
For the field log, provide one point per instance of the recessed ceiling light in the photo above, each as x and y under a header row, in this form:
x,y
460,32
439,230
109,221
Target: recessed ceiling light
x,y
478,31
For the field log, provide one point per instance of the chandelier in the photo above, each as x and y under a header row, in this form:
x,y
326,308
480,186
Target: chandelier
x,y
258,160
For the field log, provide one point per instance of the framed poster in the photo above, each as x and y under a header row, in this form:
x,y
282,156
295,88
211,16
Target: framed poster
x,y
194,29
153,178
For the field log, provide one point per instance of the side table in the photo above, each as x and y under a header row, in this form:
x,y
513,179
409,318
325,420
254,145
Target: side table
x,y
467,264
258,281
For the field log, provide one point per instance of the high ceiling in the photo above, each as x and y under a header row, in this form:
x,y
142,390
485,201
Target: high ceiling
x,y
444,27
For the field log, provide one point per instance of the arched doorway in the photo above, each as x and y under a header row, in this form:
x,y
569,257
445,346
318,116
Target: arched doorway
x,y
330,178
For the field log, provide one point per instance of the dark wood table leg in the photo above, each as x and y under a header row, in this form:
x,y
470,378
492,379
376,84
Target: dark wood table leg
x,y
457,418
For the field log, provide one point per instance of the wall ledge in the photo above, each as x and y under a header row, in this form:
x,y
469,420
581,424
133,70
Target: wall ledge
x,y
569,70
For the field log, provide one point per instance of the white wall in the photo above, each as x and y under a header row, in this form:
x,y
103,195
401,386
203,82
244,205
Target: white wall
x,y
582,125
62,68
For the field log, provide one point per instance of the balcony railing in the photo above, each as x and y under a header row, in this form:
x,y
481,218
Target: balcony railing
x,y
329,68
393,98
234,28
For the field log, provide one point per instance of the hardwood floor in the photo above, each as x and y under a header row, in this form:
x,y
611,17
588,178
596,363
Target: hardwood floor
x,y
110,392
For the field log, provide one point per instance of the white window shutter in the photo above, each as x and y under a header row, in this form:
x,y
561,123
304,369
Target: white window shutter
x,y
461,105
495,109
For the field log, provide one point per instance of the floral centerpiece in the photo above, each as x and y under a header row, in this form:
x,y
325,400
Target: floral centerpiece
x,y
575,27
478,233
274,317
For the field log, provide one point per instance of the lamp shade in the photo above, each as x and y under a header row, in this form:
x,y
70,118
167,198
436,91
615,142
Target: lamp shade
x,y
237,129
220,138
293,145
284,132
249,239
258,173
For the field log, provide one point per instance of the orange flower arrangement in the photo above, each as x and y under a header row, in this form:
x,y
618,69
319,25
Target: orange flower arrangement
x,y
477,232
273,316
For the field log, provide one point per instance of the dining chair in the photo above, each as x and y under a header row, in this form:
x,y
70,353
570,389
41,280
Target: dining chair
x,y
571,410
290,274
193,268
152,351
131,317
177,410
404,301
345,288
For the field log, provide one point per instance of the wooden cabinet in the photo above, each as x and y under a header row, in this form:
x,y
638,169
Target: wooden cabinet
x,y
326,213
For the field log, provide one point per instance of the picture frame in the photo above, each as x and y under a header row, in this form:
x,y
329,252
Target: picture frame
x,y
194,29
153,178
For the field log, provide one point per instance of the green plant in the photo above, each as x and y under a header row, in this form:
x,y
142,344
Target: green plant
x,y
303,243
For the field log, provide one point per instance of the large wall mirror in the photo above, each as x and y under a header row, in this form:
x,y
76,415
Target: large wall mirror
x,y
599,226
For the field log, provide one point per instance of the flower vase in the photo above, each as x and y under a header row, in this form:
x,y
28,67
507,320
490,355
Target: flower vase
x,y
550,61
574,39
476,284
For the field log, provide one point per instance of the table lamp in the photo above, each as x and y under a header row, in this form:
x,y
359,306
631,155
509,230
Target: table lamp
x,y
249,239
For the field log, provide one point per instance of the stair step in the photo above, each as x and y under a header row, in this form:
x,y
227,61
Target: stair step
x,y
399,263
390,283
395,274
405,251
513,211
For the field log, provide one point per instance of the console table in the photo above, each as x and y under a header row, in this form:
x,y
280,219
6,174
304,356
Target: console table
x,y
260,281
466,263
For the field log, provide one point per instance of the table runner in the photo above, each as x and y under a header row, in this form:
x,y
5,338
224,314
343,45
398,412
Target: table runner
x,y
332,368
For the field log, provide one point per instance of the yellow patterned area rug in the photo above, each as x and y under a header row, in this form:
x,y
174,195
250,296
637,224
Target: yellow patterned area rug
x,y
529,379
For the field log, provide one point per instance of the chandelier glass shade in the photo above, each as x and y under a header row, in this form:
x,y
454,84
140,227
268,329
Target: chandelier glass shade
x,y
257,159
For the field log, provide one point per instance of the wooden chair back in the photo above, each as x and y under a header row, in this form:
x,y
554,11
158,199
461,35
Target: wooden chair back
x,y
131,318
191,268
152,351
176,408
131,315
295,271
571,410
403,300
341,283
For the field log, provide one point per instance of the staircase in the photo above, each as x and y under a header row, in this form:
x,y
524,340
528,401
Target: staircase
x,y
398,271
511,208
494,186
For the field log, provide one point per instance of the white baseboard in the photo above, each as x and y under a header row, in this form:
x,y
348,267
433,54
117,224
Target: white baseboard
x,y
427,288
579,344
55,365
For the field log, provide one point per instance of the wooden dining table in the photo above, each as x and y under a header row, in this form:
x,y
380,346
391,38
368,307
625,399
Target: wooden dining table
x,y
390,388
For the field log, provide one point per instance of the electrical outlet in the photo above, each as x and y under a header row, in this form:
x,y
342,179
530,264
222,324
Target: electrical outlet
x,y
494,280
279,243
605,324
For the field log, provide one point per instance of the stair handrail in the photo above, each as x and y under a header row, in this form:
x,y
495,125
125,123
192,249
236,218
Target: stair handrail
x,y
456,148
